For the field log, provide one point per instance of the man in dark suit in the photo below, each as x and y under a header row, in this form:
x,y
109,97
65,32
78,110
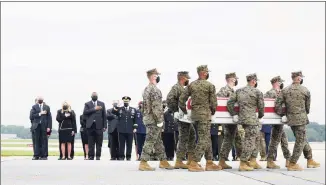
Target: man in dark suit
x,y
96,124
141,130
33,135
113,132
41,118
126,127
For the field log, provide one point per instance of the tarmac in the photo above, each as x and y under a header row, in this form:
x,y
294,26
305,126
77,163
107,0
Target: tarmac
x,y
24,171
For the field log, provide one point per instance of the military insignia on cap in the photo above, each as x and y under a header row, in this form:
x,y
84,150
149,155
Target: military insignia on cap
x,y
126,99
231,75
184,73
276,79
202,68
297,73
252,76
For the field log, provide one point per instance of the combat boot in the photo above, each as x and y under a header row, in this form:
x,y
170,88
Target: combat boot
x,y
263,159
194,167
190,157
210,166
272,165
165,164
294,167
253,163
180,165
144,166
223,164
287,162
244,167
312,164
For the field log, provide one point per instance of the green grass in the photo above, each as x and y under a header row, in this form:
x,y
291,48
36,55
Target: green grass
x,y
7,153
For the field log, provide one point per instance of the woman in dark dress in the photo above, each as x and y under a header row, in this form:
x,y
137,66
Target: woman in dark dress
x,y
84,136
67,128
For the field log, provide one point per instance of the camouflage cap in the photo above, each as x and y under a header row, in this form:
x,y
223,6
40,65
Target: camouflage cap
x,y
202,68
276,79
152,71
231,75
252,77
184,73
297,73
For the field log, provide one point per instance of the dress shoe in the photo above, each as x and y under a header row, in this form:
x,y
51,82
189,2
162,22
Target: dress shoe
x,y
128,159
98,158
91,158
113,159
120,159
35,158
69,158
44,158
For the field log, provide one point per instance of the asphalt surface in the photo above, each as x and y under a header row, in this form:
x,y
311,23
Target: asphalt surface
x,y
24,171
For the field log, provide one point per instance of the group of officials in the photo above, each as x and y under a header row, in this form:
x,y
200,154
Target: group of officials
x,y
157,132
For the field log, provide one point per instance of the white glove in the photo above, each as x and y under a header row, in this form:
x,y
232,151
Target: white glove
x,y
160,125
284,119
261,121
235,118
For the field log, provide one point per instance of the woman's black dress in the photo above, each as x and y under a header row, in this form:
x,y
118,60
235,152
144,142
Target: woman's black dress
x,y
66,126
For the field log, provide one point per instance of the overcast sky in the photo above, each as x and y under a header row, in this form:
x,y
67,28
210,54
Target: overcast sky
x,y
65,51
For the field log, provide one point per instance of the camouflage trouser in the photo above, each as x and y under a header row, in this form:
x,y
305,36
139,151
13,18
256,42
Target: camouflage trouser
x,y
301,144
261,145
278,135
187,140
249,149
153,143
229,136
203,145
238,142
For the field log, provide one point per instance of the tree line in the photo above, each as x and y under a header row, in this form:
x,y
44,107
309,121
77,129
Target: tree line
x,y
315,132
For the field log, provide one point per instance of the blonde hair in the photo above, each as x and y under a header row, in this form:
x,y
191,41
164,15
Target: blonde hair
x,y
69,107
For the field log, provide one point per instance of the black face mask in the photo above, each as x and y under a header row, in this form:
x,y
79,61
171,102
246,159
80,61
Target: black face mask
x,y
207,76
256,85
301,81
40,101
158,79
186,82
65,107
115,105
236,83
94,98
126,104
281,86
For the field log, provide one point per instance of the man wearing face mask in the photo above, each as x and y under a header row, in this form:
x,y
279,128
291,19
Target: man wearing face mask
x,y
153,120
96,124
168,132
187,134
113,132
141,130
42,123
297,100
231,133
203,103
249,99
126,127
278,134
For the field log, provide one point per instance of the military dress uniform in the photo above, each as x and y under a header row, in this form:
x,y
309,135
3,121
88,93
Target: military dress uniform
x,y
203,103
153,119
297,100
126,125
249,99
277,134
186,131
230,131
141,132
214,140
168,134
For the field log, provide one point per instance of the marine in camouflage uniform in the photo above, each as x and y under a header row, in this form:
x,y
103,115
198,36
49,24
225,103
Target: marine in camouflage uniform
x,y
153,120
297,102
278,135
249,99
203,103
230,131
187,134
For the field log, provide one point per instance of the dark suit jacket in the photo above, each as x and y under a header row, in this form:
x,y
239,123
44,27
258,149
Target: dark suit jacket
x,y
112,120
45,120
91,115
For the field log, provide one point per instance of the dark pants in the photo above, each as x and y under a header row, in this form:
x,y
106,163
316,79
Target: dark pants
x,y
233,152
114,144
34,144
95,136
267,140
176,138
214,145
125,139
168,142
140,143
40,140
66,149
83,137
